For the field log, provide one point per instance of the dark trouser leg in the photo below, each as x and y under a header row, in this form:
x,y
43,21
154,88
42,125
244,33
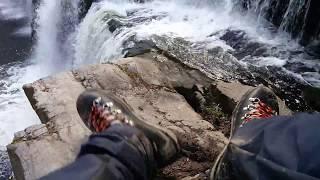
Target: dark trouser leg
x,y
120,152
281,147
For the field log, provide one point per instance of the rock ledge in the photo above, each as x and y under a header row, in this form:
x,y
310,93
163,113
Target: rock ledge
x,y
150,85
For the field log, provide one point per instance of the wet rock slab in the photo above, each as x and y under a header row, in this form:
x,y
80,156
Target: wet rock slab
x,y
149,85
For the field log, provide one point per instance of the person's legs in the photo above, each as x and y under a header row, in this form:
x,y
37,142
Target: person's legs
x,y
264,146
123,146
283,147
120,152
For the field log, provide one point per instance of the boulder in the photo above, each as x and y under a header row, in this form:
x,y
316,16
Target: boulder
x,y
149,84
40,149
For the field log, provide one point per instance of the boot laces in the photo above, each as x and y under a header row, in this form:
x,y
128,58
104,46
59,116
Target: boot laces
x,y
103,115
257,110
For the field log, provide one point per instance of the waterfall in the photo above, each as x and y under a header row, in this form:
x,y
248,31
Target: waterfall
x,y
297,17
110,27
57,21
46,51
55,24
96,43
292,20
16,112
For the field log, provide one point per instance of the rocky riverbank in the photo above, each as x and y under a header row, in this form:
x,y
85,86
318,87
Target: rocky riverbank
x,y
160,90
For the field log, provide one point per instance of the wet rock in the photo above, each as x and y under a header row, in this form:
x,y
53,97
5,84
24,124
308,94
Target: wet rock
x,y
141,1
312,96
84,7
299,67
313,49
114,24
139,47
311,23
242,45
219,64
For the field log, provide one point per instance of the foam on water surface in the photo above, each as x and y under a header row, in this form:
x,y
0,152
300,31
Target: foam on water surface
x,y
16,112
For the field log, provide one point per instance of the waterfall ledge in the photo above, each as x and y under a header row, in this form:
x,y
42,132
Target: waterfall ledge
x,y
149,83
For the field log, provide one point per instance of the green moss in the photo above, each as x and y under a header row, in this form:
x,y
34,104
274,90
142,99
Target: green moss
x,y
214,113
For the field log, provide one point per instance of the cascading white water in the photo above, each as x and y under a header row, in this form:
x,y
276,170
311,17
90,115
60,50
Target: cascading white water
x,y
46,51
191,20
57,20
16,112
95,43
195,21
295,8
297,17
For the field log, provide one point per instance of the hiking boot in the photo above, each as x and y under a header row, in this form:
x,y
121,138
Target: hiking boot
x,y
100,110
259,103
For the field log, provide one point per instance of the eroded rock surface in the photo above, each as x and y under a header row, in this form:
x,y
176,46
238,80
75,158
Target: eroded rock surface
x,y
150,85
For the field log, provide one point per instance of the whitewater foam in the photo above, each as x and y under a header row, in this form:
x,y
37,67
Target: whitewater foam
x,y
94,42
185,19
16,112
200,22
46,51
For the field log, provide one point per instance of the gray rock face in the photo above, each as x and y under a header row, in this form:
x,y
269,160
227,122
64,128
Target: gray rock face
x,y
148,84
